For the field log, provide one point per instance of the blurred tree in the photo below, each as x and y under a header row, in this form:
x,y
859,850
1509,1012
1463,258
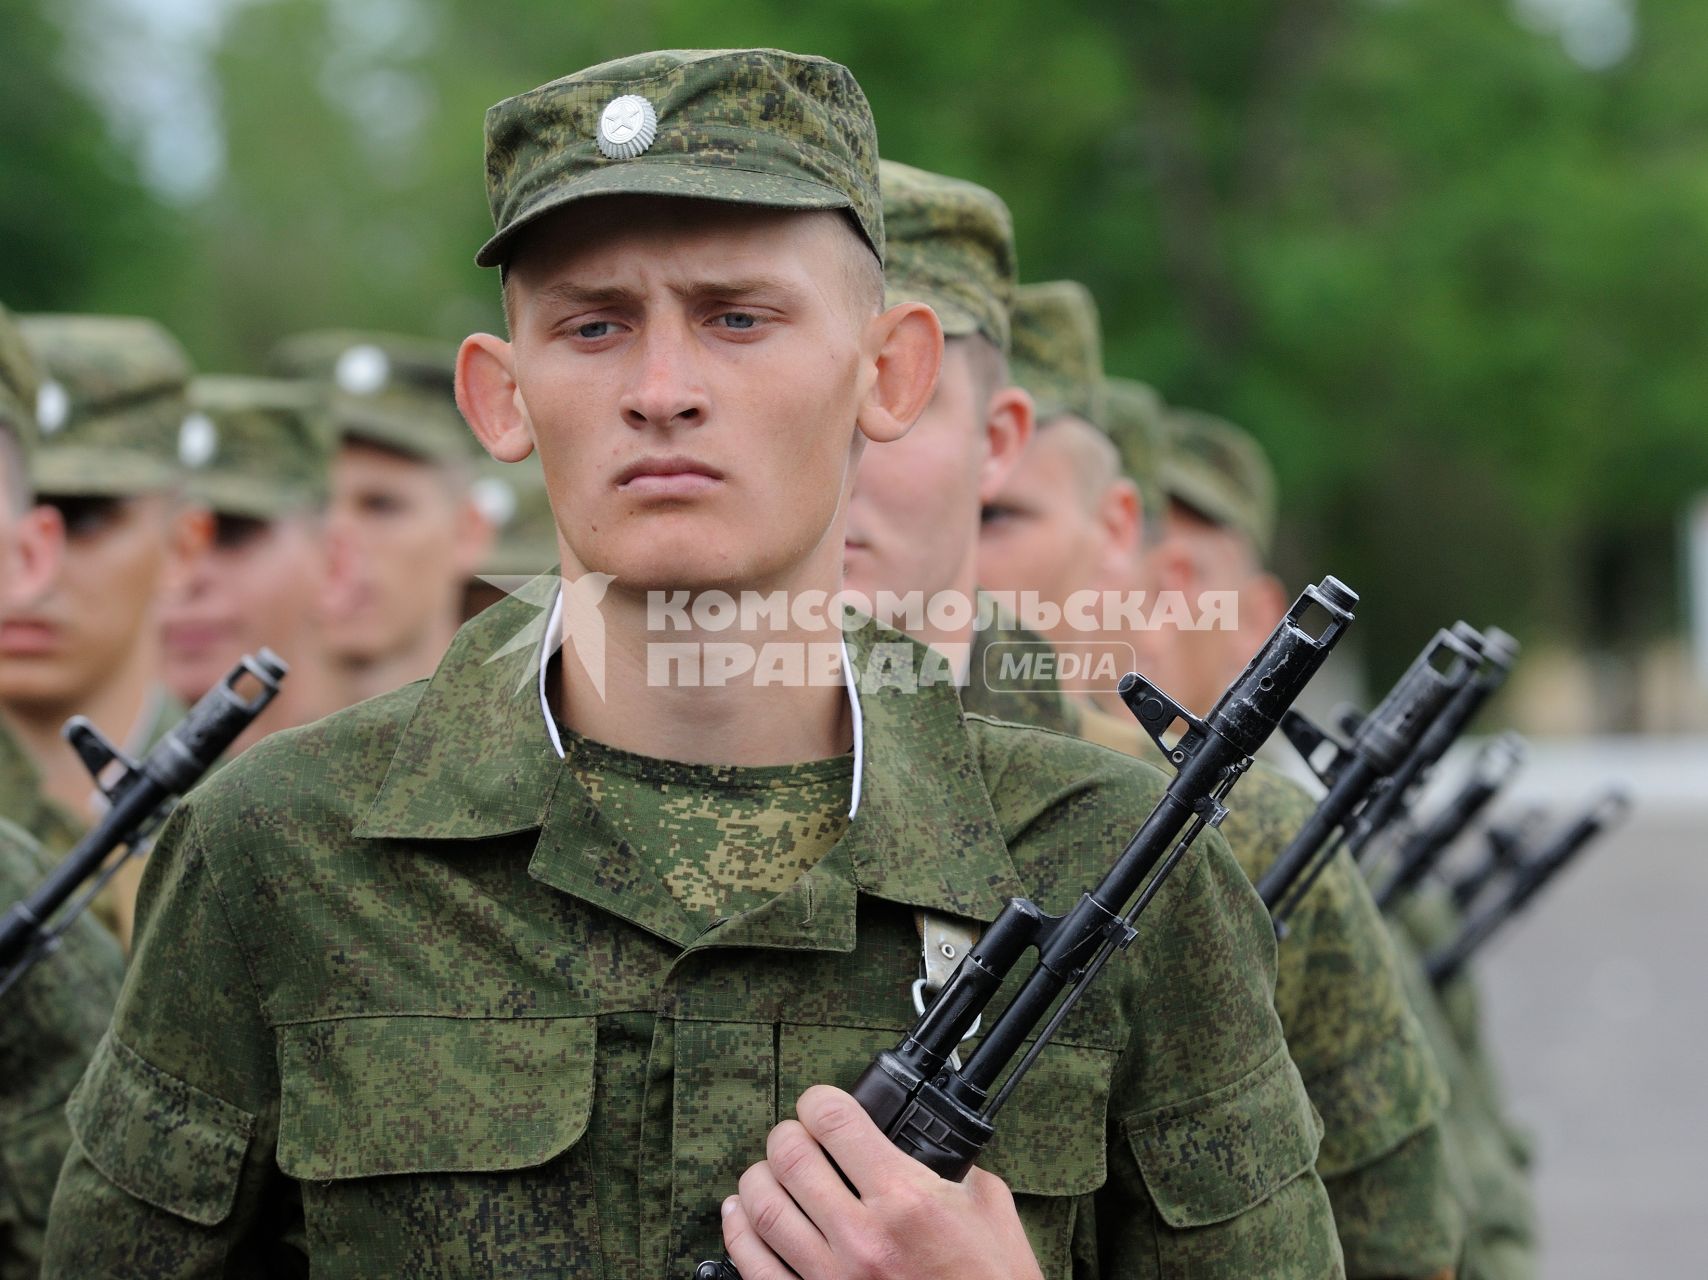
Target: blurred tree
x,y
1451,276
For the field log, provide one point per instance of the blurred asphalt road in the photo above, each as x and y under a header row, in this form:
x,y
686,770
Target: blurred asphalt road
x,y
1596,1005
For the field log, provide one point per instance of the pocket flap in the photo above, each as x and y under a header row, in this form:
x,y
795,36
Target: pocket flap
x,y
1213,1157
159,1138
1052,1138
362,1097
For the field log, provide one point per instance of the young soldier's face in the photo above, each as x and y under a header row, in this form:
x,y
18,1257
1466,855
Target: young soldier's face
x,y
692,376
1041,533
913,516
83,627
410,539
259,584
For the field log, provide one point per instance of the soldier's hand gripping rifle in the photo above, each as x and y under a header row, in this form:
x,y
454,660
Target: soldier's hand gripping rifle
x,y
1499,652
943,1115
1533,872
1422,848
137,799
1383,740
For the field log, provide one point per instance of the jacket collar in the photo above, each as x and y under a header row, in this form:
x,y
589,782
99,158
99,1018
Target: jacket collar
x,y
476,760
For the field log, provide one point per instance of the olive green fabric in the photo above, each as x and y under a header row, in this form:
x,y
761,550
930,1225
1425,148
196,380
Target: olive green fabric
x,y
1058,351
1135,425
386,389
25,804
1364,1056
950,245
1489,1176
406,1001
1222,473
110,405
260,448
50,1023
1030,697
723,839
20,383
748,126
512,495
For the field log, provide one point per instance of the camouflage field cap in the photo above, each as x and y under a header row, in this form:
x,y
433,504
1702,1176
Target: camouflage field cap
x,y
1058,350
257,447
110,404
19,385
748,126
1135,426
950,245
1220,472
512,495
386,389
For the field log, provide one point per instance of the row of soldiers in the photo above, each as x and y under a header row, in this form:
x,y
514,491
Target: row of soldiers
x,y
512,967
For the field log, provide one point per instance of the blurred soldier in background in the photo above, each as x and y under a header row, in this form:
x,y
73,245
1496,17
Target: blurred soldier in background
x,y
1076,522
408,530
1220,531
111,405
51,1020
259,454
512,497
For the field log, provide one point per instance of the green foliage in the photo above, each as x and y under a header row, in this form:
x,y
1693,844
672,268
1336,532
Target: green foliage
x,y
1451,278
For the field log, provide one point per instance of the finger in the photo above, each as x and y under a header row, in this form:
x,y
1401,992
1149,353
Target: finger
x,y
841,1126
750,1255
780,1222
796,1160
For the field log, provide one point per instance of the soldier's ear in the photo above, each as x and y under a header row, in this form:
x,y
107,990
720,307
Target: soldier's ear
x,y
1009,422
905,346
490,401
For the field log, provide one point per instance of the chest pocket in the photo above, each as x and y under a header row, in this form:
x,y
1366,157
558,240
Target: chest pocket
x,y
1051,1139
442,1147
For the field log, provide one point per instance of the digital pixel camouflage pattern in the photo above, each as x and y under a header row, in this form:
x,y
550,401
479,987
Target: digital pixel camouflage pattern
x,y
1058,351
260,448
430,1016
386,389
110,405
1489,1174
26,805
722,839
20,384
1135,426
950,245
1364,1056
49,1026
1022,694
748,126
1222,473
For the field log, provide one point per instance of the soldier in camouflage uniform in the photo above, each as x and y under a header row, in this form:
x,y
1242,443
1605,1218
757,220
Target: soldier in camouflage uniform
x,y
110,407
51,1020
402,514
258,452
413,1002
1220,530
1370,1075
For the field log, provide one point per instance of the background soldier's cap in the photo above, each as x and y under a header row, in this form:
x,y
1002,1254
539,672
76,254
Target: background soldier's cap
x,y
19,385
747,126
1058,350
512,495
386,389
1220,472
950,245
257,447
109,406
1136,427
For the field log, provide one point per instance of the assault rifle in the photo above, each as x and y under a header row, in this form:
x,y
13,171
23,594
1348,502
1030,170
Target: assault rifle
x,y
1353,770
137,799
1534,872
1506,844
1499,652
943,1115
1422,848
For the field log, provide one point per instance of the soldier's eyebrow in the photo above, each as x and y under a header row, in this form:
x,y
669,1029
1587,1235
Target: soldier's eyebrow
x,y
736,288
566,293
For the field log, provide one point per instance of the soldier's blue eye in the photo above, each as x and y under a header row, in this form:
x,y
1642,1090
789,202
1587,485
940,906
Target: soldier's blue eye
x,y
594,329
738,320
